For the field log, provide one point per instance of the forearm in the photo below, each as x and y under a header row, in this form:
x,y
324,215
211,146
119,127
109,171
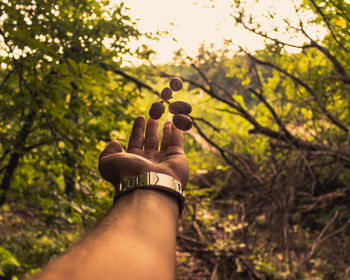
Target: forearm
x,y
136,240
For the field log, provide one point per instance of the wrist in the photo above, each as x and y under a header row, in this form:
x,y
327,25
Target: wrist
x,y
150,203
152,182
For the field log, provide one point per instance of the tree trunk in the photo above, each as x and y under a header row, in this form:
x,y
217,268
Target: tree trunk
x,y
8,174
69,174
70,171
18,152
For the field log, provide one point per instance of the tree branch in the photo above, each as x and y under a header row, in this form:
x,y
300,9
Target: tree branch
x,y
304,85
221,150
3,82
321,238
338,66
329,26
28,148
343,155
207,123
139,83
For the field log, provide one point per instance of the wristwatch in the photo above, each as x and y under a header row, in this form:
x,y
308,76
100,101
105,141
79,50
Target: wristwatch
x,y
152,181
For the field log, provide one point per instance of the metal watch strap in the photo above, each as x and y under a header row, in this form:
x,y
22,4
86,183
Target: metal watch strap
x,y
152,181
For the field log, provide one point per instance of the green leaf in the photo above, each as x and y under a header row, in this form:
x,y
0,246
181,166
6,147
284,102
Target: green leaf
x,y
6,258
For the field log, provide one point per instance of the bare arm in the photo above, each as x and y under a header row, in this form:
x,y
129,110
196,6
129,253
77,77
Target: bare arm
x,y
137,238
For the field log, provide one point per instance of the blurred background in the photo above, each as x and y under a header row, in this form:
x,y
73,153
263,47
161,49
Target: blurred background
x,y
269,152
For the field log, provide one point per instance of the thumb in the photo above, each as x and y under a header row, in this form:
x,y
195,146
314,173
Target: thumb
x,y
112,148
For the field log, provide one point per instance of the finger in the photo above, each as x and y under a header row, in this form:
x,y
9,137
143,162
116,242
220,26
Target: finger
x,y
166,140
112,148
136,138
177,137
151,138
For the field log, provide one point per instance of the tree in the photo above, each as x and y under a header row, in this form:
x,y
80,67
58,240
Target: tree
x,y
53,69
287,186
59,101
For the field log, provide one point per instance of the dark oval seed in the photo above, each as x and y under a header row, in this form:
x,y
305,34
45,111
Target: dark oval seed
x,y
157,109
175,84
166,94
180,107
182,122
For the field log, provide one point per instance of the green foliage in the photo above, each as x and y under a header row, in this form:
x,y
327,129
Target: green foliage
x,y
7,261
59,101
281,121
269,160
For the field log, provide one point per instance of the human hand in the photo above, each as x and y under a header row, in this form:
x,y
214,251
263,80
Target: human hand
x,y
143,155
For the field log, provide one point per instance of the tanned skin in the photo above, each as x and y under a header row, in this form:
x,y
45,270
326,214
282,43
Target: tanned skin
x,y
137,237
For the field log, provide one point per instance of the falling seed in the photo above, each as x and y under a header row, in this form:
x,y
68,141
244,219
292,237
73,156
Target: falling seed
x,y
166,94
182,121
157,109
175,83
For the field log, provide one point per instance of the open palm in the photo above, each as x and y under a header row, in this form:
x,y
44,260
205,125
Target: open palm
x,y
143,154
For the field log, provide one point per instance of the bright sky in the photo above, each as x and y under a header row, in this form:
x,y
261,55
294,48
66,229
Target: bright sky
x,y
194,22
